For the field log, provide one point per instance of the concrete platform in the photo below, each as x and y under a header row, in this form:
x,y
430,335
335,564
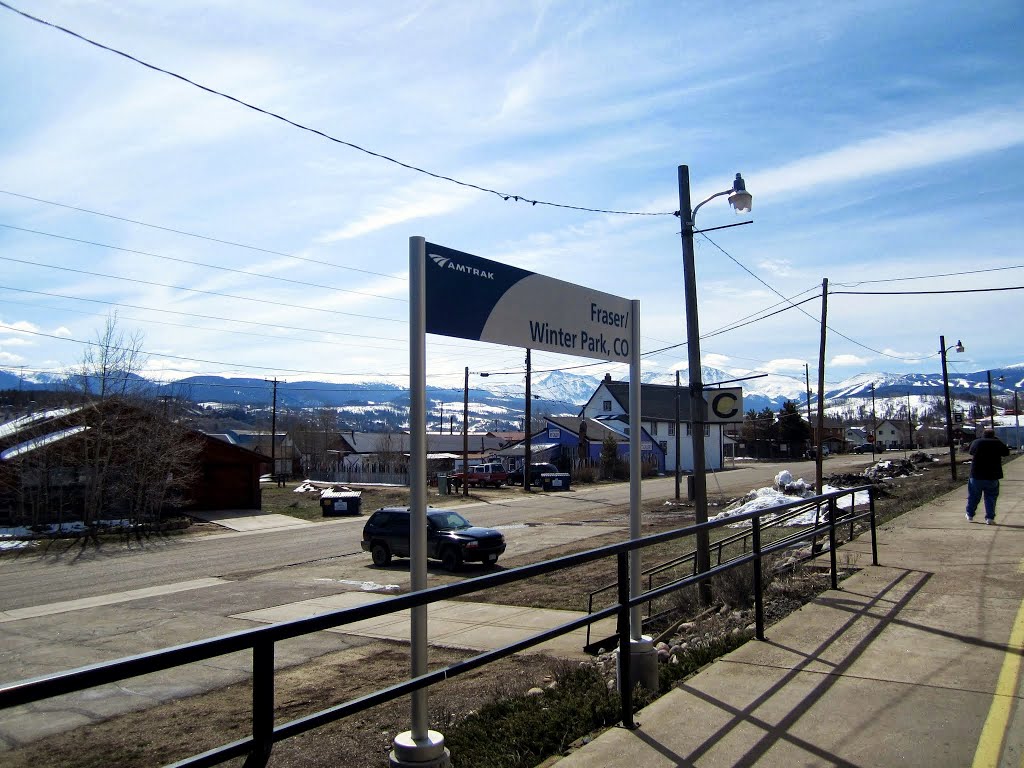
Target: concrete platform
x,y
913,662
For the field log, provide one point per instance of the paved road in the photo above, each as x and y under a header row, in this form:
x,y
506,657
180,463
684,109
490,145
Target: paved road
x,y
530,523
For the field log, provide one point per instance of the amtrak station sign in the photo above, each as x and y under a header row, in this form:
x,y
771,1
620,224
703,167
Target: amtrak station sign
x,y
469,297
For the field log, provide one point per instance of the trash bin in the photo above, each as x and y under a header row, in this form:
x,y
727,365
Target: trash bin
x,y
555,481
341,503
442,484
689,488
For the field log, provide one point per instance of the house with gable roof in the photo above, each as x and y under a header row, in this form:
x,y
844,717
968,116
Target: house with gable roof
x,y
609,405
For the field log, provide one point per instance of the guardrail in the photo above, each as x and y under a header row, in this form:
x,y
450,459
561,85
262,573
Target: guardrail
x,y
257,747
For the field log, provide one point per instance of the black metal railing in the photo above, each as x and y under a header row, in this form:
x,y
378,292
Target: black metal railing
x,y
261,641
783,516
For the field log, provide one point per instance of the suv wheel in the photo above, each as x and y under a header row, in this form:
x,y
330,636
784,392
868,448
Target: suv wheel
x,y
451,559
381,554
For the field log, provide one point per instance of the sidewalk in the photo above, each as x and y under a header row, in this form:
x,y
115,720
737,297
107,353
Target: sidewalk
x,y
913,662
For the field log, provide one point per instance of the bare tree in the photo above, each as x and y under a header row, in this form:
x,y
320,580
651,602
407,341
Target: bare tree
x,y
110,365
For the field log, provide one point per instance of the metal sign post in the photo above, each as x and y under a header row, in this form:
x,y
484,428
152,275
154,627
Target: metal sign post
x,y
506,305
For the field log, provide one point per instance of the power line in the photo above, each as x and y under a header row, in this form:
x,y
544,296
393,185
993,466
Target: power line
x,y
813,319
927,293
199,290
504,195
180,357
256,323
275,278
193,327
202,237
929,277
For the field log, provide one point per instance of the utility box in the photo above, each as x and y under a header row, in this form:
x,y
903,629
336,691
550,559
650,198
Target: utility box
x,y
442,484
555,481
341,503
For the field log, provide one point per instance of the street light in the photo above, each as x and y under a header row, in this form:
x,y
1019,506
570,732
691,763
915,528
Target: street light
x,y
943,349
741,201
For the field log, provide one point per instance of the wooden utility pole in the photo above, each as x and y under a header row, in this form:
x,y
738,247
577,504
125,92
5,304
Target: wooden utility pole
x,y
677,435
273,437
818,473
807,383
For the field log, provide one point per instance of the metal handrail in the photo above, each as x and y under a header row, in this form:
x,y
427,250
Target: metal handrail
x,y
789,510
257,747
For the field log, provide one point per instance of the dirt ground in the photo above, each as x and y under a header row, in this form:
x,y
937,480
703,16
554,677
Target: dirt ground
x,y
188,726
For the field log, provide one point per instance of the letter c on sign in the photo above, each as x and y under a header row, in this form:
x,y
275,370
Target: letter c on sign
x,y
724,405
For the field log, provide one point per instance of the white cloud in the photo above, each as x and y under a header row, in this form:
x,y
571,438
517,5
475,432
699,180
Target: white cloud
x,y
783,364
897,150
411,205
15,341
9,358
715,360
845,360
780,267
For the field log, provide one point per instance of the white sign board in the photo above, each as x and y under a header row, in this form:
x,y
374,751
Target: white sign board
x,y
473,298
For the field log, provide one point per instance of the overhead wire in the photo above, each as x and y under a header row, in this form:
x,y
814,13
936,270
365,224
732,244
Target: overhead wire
x,y
199,290
204,237
507,196
928,277
195,314
814,319
190,262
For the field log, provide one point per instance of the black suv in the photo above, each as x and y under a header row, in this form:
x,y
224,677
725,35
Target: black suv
x,y
515,477
451,538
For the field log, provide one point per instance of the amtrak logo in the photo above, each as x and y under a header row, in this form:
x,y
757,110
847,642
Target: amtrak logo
x,y
446,263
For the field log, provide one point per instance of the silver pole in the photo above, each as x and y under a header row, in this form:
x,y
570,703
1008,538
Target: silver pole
x,y
418,472
635,428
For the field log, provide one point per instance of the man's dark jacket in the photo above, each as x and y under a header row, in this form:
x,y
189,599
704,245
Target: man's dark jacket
x,y
988,455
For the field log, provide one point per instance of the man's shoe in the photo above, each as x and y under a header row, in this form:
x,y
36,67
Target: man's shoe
x,y
990,521
970,518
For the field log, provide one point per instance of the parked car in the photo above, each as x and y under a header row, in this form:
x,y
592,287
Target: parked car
x,y
480,475
515,477
451,538
869,448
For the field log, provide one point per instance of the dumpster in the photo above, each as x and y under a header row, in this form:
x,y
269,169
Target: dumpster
x,y
555,481
341,503
442,484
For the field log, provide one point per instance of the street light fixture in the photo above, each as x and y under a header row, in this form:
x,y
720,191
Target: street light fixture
x,y
741,201
943,349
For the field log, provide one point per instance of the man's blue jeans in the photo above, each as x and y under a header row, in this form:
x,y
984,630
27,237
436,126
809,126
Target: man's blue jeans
x,y
975,489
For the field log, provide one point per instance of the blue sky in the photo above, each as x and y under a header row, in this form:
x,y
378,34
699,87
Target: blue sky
x,y
879,140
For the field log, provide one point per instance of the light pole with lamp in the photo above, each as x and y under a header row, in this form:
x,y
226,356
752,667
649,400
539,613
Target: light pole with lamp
x,y
741,201
991,408
949,413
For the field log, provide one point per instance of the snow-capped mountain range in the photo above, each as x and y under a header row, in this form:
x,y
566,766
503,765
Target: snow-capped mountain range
x,y
564,392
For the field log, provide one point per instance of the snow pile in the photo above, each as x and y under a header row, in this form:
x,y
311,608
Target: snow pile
x,y
786,490
320,487
21,537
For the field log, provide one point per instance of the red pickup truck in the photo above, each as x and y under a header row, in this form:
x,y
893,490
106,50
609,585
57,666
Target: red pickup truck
x,y
481,475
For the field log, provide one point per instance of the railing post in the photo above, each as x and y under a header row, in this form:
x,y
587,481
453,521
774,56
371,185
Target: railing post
x,y
262,704
625,662
758,581
874,541
832,540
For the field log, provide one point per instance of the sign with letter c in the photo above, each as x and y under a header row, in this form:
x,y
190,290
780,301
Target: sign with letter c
x,y
724,404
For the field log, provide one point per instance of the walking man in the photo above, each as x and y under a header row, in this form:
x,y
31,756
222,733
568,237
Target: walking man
x,y
986,470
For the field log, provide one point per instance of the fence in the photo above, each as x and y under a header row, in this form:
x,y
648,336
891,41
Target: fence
x,y
385,476
261,641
